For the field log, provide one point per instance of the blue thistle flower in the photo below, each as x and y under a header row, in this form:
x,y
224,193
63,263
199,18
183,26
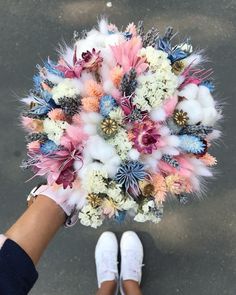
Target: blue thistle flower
x,y
129,174
107,104
192,144
209,84
48,147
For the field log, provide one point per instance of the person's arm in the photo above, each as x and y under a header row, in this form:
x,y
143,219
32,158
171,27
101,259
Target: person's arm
x,y
24,243
37,226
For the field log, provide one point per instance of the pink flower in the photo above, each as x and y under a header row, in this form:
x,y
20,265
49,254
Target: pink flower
x,y
89,61
145,136
58,167
126,55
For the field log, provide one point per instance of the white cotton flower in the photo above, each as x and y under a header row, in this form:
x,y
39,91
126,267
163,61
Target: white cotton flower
x,y
54,129
67,88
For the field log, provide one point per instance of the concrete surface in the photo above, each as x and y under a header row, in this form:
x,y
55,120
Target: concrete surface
x,y
192,251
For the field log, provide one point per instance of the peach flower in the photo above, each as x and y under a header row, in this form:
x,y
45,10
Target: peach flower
x,y
90,104
57,114
92,88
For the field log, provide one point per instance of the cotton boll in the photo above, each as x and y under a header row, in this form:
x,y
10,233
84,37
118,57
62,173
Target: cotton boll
x,y
150,163
172,140
157,155
134,154
193,109
158,114
90,129
204,97
164,131
91,118
99,149
210,116
170,151
108,58
112,166
108,87
190,91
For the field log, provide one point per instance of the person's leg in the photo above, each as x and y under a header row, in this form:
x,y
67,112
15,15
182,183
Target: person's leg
x,y
131,287
131,263
106,264
107,288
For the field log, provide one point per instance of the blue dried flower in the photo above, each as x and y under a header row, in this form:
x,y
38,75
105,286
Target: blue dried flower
x,y
37,82
192,144
129,174
127,35
120,217
107,104
51,67
48,147
209,84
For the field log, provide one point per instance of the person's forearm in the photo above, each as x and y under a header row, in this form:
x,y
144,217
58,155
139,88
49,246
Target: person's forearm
x,y
36,227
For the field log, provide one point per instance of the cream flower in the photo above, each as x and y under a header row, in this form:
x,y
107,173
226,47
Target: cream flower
x,y
90,216
54,129
121,143
67,87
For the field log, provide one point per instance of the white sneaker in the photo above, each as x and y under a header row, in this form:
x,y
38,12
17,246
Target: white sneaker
x,y
131,258
106,258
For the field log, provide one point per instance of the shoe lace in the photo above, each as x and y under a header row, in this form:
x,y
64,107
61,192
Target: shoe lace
x,y
108,264
132,263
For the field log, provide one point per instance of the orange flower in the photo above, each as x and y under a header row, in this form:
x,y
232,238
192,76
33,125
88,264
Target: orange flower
x,y
33,146
177,184
93,89
160,187
209,160
30,124
57,114
116,75
90,104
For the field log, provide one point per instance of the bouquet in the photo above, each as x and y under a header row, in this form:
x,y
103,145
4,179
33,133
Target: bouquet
x,y
125,120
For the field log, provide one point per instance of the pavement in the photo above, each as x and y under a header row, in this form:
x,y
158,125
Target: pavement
x,y
192,251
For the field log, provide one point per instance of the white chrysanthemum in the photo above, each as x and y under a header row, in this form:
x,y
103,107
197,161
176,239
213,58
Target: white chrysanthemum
x,y
68,88
157,59
154,88
54,129
94,182
145,214
121,143
117,114
90,216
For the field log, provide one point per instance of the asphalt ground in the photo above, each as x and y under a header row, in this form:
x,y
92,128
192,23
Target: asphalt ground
x,y
192,251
